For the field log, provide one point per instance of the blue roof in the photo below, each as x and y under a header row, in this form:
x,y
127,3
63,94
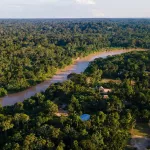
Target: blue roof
x,y
85,117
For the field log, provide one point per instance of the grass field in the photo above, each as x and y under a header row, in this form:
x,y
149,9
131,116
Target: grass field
x,y
104,80
141,129
110,80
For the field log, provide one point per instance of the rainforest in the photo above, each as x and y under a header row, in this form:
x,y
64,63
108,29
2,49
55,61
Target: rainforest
x,y
106,107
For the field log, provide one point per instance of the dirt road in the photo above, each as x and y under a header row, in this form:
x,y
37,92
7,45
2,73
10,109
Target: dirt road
x,y
140,142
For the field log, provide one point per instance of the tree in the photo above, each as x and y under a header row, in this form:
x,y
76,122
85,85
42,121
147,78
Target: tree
x,y
115,104
50,107
21,118
60,146
6,124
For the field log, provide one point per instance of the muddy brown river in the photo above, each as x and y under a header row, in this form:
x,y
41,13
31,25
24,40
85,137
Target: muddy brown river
x,y
77,67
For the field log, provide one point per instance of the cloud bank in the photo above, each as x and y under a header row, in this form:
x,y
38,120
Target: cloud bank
x,y
86,2
74,8
97,13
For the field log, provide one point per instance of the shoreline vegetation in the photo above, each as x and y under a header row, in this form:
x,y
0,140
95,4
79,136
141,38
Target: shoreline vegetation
x,y
4,92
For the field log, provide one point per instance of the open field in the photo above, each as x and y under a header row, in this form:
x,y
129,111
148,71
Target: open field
x,y
105,80
110,80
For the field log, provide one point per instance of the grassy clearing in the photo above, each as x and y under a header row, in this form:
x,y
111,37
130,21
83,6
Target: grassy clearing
x,y
141,129
105,80
110,80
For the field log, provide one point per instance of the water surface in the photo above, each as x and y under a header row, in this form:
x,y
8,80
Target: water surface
x,y
77,67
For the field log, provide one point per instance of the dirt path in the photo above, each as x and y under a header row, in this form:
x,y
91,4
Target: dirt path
x,y
140,142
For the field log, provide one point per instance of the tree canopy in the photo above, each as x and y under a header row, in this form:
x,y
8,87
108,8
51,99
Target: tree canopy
x,y
32,50
34,124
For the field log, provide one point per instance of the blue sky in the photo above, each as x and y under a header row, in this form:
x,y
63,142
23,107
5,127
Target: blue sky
x,y
74,8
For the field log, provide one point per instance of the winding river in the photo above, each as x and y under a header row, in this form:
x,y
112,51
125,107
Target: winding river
x,y
77,67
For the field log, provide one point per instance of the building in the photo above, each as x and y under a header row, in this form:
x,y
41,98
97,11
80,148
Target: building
x,y
105,96
61,113
104,91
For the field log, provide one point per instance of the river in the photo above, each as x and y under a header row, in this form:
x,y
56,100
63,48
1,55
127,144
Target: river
x,y
77,67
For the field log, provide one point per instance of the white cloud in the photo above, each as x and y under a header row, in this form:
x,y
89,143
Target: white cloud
x,y
97,13
88,2
26,2
76,8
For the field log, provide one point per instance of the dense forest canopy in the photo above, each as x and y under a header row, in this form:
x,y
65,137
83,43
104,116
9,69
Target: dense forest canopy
x,y
35,124
31,50
135,77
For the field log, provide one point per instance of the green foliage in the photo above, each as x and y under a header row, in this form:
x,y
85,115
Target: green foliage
x,y
32,49
134,90
3,92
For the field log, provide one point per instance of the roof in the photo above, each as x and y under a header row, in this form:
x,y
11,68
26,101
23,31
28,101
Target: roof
x,y
107,90
101,87
85,117
104,90
105,96
62,113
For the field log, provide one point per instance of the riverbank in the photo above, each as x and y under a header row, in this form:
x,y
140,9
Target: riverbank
x,y
56,70
48,75
77,66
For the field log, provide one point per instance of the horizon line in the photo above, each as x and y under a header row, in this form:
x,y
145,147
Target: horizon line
x,y
77,18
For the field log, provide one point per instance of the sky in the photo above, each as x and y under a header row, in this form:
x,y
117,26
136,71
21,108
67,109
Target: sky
x,y
74,8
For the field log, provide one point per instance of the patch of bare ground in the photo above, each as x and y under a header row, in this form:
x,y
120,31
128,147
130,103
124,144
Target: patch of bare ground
x,y
61,113
140,137
140,142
